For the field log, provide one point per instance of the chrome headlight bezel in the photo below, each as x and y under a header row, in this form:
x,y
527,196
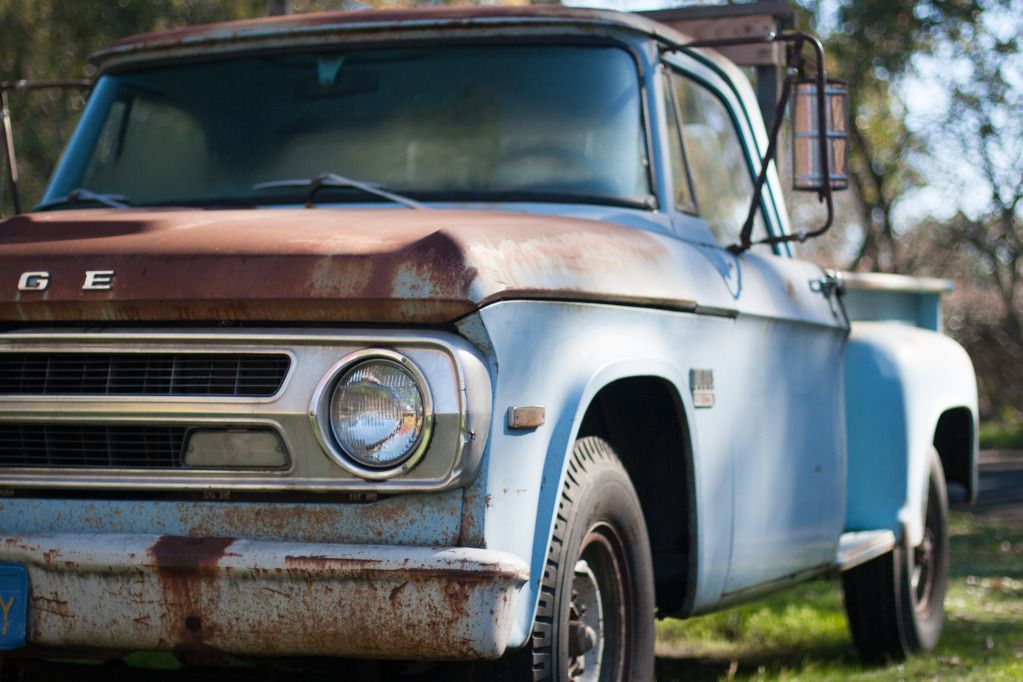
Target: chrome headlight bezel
x,y
320,413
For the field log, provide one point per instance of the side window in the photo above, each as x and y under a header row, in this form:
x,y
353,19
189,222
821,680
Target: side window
x,y
679,171
720,172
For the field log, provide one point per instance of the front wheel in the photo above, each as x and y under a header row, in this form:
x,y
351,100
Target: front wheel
x,y
595,618
895,603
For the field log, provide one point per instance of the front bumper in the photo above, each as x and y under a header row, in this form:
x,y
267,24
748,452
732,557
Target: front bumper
x,y
201,596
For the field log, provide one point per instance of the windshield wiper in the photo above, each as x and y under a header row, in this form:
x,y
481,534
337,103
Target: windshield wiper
x,y
83,196
334,180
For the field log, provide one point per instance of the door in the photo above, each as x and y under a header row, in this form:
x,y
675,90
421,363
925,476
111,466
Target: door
x,y
781,382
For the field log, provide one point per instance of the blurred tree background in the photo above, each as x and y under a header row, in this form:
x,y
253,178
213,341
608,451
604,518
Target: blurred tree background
x,y
936,88
936,155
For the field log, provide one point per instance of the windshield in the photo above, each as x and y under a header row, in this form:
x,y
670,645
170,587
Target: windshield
x,y
447,123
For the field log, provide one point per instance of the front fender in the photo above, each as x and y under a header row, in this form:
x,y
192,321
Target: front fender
x,y
573,351
899,380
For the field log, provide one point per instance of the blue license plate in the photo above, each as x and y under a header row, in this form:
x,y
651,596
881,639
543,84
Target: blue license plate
x,y
13,605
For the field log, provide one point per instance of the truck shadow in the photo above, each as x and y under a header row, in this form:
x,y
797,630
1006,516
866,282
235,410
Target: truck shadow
x,y
696,668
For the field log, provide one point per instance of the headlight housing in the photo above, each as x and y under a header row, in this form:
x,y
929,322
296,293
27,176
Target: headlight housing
x,y
377,413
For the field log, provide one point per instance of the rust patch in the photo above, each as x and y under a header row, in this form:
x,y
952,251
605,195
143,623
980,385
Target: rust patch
x,y
396,591
186,568
380,522
474,504
53,605
325,563
182,556
456,596
417,17
790,290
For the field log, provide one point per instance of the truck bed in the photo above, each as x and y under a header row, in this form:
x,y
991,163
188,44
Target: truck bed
x,y
876,297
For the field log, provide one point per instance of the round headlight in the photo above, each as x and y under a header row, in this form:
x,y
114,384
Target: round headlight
x,y
378,413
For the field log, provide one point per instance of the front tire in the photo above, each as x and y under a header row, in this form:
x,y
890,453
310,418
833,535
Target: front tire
x,y
595,618
895,602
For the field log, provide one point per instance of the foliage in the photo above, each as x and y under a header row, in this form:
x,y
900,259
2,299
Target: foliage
x,y
802,635
1001,435
959,62
871,48
979,146
52,39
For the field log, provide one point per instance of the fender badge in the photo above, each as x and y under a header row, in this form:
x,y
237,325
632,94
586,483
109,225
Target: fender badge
x,y
701,384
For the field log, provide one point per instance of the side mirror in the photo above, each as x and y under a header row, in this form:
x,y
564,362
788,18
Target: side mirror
x,y
807,175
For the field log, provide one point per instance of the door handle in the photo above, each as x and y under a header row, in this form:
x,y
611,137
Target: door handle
x,y
827,285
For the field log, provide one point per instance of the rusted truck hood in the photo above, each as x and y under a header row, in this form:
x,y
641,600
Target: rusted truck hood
x,y
322,265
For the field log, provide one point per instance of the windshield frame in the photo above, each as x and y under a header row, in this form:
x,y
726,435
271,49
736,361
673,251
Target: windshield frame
x,y
79,143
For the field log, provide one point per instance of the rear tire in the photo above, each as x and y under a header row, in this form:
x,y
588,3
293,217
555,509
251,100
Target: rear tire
x,y
895,603
595,618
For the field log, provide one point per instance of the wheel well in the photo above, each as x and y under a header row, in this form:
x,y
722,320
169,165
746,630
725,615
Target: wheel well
x,y
643,420
953,439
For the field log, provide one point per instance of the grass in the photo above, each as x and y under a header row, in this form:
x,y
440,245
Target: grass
x,y
1001,435
802,634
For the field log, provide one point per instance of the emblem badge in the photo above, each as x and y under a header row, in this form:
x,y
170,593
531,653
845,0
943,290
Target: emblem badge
x,y
34,281
39,280
701,384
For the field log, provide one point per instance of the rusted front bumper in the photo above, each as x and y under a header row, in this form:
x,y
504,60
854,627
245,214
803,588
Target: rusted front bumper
x,y
202,596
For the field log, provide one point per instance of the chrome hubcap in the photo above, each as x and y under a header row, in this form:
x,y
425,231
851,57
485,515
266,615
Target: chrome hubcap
x,y
585,626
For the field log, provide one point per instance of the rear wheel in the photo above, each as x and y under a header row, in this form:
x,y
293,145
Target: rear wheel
x,y
595,619
896,602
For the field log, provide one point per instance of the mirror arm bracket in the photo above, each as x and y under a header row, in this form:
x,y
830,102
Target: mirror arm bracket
x,y
746,236
7,127
8,149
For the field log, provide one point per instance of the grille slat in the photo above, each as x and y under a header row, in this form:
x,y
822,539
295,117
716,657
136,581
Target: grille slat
x,y
143,374
73,445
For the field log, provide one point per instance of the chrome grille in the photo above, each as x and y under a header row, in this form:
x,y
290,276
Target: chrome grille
x,y
74,445
143,374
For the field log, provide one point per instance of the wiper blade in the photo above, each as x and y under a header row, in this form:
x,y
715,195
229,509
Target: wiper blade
x,y
334,180
82,195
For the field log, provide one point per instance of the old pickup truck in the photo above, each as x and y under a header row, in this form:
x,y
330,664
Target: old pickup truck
x,y
470,334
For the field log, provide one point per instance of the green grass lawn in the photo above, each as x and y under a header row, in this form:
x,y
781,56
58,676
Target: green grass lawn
x,y
801,634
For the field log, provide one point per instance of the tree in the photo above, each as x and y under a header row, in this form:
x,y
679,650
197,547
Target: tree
x,y
51,39
977,147
872,47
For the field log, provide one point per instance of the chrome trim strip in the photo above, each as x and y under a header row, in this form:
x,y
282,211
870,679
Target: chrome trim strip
x,y
713,311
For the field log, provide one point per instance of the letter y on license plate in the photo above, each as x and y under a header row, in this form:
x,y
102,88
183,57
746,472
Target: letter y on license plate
x,y
13,605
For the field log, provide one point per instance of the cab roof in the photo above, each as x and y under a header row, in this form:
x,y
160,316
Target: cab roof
x,y
280,31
